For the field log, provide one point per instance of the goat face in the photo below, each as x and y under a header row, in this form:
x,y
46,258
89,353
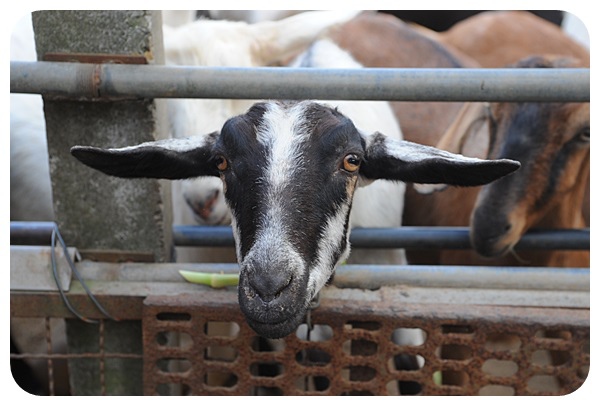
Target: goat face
x,y
551,140
289,171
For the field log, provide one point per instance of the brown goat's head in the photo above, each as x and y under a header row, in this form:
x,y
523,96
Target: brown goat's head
x,y
552,142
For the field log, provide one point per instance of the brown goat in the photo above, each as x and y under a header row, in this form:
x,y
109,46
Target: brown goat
x,y
551,140
378,40
556,177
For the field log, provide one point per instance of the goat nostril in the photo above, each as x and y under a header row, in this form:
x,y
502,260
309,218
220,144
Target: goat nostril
x,y
269,290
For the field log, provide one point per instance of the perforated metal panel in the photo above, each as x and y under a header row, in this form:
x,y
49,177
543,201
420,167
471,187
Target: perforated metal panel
x,y
201,345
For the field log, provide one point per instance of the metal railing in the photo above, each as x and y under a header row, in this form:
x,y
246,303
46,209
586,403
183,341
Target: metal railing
x,y
107,81
38,233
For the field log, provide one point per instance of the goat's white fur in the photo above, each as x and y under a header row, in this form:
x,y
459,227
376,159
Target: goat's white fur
x,y
334,231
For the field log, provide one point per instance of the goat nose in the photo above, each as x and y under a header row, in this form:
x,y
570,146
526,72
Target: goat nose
x,y
268,284
204,208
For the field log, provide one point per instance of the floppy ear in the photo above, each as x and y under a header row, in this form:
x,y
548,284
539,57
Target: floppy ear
x,y
409,162
180,158
468,134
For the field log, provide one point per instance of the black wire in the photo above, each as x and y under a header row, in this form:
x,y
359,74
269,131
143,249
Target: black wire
x,y
55,235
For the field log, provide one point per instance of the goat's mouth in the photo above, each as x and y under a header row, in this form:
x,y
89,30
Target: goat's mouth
x,y
492,243
276,314
278,329
492,249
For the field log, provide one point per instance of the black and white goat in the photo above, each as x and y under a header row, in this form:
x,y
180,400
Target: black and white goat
x,y
289,171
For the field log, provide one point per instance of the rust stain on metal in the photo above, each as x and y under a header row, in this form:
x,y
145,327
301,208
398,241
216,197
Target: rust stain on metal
x,y
96,74
114,256
95,58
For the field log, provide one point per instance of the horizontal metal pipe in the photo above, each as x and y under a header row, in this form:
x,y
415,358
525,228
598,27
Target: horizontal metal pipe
x,y
31,232
370,276
38,233
404,237
109,81
500,277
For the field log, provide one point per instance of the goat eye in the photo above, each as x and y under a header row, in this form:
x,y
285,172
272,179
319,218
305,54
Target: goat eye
x,y
221,163
351,162
584,135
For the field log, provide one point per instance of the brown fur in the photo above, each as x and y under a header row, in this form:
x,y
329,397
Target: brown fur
x,y
498,38
383,41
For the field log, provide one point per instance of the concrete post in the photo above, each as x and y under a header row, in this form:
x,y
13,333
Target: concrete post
x,y
95,212
106,217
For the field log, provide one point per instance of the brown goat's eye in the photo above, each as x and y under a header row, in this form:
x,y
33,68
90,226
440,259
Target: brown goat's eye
x,y
351,162
584,135
221,163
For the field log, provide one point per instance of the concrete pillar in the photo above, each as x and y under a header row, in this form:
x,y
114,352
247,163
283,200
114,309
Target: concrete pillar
x,y
105,217
127,218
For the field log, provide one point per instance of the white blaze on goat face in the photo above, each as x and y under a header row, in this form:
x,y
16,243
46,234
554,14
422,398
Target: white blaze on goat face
x,y
282,135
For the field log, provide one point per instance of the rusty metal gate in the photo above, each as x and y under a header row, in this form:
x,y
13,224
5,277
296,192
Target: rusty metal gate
x,y
485,350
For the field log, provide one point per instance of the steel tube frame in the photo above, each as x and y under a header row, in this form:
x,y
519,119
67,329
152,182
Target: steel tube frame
x,y
38,233
110,81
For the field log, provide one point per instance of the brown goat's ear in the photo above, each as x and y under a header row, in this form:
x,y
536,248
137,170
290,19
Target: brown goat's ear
x,y
409,162
165,159
468,134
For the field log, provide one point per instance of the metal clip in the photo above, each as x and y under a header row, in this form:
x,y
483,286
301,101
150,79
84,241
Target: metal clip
x,y
314,303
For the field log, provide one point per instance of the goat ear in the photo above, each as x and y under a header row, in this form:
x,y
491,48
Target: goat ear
x,y
180,158
409,162
280,40
468,134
